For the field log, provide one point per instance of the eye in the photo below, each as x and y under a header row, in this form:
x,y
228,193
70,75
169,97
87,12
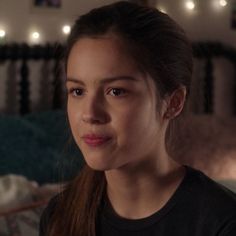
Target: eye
x,y
76,92
117,92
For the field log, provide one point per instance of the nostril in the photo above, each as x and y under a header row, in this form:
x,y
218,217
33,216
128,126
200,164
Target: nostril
x,y
90,119
100,118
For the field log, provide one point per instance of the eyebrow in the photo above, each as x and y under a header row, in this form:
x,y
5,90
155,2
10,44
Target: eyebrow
x,y
105,80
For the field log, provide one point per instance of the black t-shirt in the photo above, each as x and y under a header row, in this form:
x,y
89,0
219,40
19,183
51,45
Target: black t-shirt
x,y
199,207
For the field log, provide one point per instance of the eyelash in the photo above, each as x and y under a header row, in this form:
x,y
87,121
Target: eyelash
x,y
73,90
123,91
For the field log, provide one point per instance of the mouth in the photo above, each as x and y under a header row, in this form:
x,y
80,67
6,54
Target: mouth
x,y
94,140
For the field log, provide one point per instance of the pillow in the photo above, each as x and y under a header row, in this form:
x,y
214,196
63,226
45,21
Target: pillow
x,y
17,193
228,183
208,143
36,146
22,223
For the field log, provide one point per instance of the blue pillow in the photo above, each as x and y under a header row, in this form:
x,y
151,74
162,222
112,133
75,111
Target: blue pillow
x,y
39,147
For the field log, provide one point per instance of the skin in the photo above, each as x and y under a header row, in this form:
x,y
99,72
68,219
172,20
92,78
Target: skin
x,y
136,164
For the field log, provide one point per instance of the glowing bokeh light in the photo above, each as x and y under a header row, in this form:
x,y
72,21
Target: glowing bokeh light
x,y
66,29
2,33
190,5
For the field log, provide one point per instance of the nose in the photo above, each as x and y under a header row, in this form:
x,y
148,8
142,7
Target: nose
x,y
94,111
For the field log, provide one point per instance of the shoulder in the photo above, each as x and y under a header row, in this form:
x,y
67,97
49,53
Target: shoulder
x,y
213,201
206,204
210,189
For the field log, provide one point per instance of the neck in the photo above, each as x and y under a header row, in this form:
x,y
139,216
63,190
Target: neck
x,y
141,190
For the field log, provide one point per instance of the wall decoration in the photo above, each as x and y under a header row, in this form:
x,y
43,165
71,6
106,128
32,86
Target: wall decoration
x,y
48,3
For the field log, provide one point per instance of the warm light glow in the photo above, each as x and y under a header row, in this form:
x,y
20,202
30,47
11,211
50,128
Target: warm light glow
x,y
35,35
218,5
190,5
163,10
223,3
66,29
2,33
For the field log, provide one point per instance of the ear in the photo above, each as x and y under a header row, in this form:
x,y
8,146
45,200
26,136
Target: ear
x,y
175,103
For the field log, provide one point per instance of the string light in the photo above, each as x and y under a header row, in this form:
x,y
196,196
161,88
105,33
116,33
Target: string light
x,y
223,3
219,4
190,5
35,37
66,29
2,33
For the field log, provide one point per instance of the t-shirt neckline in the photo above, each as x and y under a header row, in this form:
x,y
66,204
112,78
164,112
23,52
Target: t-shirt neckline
x,y
137,224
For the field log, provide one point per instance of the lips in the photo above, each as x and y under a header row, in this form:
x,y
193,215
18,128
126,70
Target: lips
x,y
95,140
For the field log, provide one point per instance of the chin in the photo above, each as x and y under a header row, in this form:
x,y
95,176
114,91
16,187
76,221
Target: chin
x,y
99,166
98,163
102,160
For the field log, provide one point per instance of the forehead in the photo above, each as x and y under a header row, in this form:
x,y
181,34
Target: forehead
x,y
93,59
105,54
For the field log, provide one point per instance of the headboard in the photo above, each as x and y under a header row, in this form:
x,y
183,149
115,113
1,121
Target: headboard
x,y
32,78
21,62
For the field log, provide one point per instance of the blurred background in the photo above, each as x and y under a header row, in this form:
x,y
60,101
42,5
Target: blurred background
x,y
36,151
202,19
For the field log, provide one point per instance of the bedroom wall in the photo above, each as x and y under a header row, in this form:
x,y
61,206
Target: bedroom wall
x,y
208,20
205,22
19,18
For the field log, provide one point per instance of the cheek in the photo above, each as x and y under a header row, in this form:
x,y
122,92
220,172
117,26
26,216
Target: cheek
x,y
136,123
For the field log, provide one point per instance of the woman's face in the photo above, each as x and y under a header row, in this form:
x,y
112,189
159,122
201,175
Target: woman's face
x,y
111,105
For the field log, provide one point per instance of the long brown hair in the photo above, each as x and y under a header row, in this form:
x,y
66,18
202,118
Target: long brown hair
x,y
161,48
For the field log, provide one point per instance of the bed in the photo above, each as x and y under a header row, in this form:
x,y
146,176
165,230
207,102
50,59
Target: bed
x,y
35,157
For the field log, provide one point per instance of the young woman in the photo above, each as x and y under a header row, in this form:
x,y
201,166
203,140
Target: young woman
x,y
128,71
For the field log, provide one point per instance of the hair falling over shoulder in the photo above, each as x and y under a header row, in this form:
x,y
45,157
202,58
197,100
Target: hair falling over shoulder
x,y
77,206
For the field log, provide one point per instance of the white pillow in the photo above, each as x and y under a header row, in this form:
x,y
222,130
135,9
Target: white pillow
x,y
15,190
228,183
